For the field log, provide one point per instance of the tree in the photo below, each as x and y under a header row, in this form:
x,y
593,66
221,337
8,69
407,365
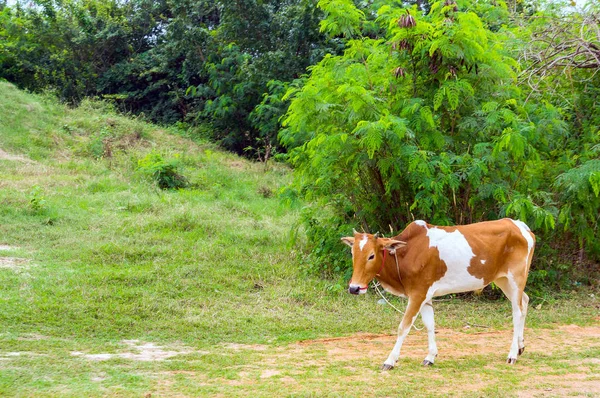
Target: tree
x,y
422,121
66,46
202,63
561,61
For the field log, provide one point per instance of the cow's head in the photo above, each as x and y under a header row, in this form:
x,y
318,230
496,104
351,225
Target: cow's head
x,y
367,258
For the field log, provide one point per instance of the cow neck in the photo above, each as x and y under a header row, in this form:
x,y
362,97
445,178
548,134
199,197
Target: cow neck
x,y
397,267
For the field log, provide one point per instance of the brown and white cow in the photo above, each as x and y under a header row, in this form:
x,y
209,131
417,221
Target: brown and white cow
x,y
427,261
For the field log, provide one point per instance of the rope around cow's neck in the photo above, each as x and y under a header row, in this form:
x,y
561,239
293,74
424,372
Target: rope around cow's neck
x,y
376,286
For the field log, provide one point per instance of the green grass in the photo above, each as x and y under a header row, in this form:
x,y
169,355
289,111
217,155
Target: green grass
x,y
107,257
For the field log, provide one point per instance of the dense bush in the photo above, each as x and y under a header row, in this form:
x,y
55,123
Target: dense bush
x,y
68,46
206,63
427,119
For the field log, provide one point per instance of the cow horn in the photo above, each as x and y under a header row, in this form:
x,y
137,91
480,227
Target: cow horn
x,y
354,231
376,235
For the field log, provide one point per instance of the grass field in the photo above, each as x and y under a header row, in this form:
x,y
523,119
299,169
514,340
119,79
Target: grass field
x,y
110,286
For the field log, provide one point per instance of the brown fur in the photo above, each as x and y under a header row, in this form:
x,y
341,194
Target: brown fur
x,y
500,243
412,267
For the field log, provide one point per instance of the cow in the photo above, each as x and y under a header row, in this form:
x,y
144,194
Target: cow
x,y
426,261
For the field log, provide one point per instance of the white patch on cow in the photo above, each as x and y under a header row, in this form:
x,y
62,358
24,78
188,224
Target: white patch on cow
x,y
421,223
428,321
482,261
525,232
457,254
514,289
521,224
363,242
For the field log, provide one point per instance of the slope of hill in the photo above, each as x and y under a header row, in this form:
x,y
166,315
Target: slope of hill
x,y
106,253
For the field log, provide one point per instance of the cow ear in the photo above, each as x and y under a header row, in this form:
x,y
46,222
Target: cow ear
x,y
391,245
349,240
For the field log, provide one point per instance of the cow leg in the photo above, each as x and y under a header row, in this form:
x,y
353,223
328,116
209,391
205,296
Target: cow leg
x,y
515,295
524,305
412,310
427,317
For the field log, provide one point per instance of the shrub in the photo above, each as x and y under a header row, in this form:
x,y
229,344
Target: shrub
x,y
166,173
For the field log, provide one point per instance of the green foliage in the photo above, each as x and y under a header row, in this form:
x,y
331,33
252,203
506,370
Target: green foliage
x,y
200,62
323,236
166,173
341,17
580,213
37,201
426,120
569,91
257,48
265,118
67,45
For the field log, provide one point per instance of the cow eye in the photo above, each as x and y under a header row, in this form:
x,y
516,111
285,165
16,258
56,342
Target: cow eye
x,y
371,257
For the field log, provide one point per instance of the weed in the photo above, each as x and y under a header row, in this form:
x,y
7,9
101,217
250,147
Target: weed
x,y
37,201
99,146
166,173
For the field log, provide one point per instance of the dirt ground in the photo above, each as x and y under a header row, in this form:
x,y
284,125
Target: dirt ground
x,y
535,378
455,343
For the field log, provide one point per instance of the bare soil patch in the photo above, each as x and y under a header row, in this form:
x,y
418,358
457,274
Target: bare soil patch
x,y
13,263
19,158
555,364
4,356
252,347
454,343
564,387
140,352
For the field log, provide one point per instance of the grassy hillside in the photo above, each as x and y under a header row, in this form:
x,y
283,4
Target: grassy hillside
x,y
110,255
95,259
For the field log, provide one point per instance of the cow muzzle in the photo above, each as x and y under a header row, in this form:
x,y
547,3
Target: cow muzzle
x,y
357,289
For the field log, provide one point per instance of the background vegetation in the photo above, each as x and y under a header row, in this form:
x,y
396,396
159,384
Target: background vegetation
x,y
439,115
204,62
453,112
